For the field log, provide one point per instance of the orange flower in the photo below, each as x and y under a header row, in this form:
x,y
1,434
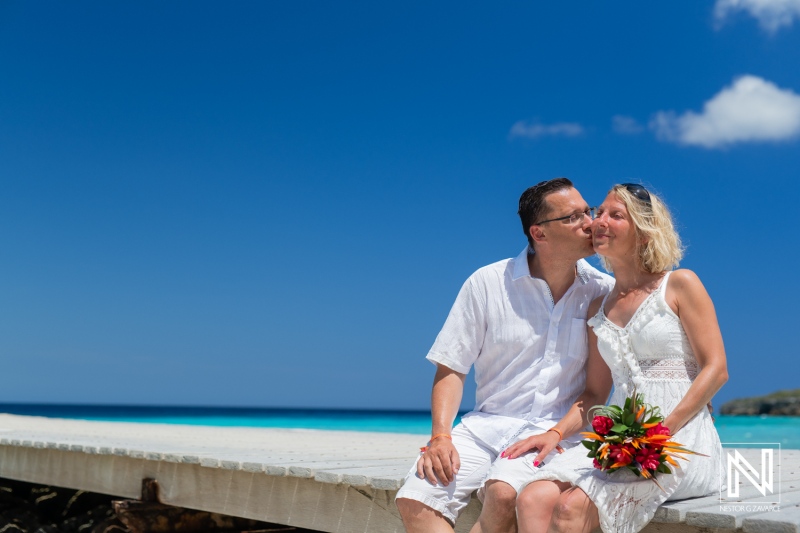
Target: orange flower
x,y
593,436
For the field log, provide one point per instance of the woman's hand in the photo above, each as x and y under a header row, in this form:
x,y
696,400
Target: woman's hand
x,y
669,422
544,443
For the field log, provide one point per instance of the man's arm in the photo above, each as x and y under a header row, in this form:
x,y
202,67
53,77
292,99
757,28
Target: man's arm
x,y
440,461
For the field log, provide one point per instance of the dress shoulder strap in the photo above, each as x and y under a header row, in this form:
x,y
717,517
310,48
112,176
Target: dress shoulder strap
x,y
663,287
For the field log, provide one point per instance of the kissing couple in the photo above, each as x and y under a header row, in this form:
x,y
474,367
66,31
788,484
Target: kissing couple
x,y
549,336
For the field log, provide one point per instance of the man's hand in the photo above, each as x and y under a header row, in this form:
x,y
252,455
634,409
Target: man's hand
x,y
439,462
544,443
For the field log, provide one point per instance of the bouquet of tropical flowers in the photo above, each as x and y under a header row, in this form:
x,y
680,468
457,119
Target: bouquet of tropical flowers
x,y
632,437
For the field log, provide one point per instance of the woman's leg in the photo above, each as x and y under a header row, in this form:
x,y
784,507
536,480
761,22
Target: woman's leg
x,y
574,512
535,505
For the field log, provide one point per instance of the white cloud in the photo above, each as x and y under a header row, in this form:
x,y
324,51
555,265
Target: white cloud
x,y
626,125
750,110
534,130
771,14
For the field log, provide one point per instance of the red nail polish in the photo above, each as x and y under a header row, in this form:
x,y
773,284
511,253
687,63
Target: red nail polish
x,y
503,454
536,463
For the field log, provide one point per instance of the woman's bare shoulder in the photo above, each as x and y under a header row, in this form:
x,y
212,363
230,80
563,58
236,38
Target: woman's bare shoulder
x,y
684,279
685,287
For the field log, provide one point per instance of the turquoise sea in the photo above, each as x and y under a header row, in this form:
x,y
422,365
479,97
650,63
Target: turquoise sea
x,y
732,429
784,430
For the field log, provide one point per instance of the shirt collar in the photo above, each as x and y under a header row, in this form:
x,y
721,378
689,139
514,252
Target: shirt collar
x,y
521,268
583,273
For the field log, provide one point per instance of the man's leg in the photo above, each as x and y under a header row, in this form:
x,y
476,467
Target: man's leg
x,y
427,508
419,518
498,514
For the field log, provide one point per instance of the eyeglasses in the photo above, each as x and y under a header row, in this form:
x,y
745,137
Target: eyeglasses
x,y
638,191
571,219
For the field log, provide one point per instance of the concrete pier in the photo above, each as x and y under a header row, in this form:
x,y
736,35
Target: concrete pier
x,y
333,481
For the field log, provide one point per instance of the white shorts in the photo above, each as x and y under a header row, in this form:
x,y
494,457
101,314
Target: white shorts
x,y
479,464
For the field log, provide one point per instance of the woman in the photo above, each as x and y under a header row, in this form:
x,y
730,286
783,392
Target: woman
x,y
657,333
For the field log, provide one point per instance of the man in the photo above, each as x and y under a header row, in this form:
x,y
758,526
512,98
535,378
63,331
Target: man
x,y
522,323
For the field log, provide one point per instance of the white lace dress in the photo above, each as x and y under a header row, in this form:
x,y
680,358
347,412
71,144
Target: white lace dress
x,y
652,354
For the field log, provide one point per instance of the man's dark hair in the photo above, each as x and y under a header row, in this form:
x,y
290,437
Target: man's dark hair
x,y
532,206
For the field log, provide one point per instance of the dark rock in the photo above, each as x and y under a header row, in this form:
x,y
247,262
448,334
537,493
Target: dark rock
x,y
90,519
781,403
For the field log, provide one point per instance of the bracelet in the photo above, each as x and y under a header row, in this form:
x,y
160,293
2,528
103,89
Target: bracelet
x,y
560,435
445,435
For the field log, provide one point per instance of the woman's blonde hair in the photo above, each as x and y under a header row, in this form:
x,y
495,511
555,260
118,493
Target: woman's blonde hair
x,y
658,245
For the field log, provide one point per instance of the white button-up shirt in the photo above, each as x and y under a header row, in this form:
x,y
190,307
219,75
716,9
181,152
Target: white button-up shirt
x,y
529,353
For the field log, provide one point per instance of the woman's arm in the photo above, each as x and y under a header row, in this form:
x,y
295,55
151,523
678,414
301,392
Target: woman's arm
x,y
598,387
687,296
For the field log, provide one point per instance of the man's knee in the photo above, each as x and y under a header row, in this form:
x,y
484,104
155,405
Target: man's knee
x,y
500,494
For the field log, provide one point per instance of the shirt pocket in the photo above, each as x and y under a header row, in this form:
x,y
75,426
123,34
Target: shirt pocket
x,y
577,347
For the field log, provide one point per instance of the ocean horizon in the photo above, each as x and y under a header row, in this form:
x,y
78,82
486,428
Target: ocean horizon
x,y
732,429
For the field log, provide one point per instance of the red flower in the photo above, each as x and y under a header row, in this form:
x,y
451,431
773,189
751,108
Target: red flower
x,y
648,458
622,453
597,463
602,425
658,429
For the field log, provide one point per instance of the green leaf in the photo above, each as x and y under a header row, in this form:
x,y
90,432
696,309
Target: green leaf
x,y
619,428
629,419
653,420
588,443
664,469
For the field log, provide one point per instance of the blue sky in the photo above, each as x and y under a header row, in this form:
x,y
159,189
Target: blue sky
x,y
275,203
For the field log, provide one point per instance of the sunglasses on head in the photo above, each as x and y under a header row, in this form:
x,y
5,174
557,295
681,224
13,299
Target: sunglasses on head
x,y
638,191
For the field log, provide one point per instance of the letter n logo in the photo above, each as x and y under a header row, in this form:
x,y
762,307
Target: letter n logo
x,y
739,465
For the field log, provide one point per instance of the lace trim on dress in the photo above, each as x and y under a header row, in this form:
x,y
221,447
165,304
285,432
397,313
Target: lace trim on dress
x,y
682,369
